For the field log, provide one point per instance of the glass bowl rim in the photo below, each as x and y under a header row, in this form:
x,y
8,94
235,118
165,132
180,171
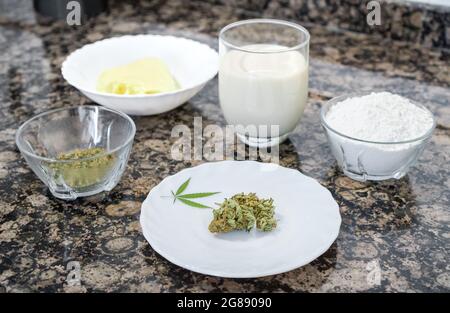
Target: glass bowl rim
x,y
265,21
52,160
340,98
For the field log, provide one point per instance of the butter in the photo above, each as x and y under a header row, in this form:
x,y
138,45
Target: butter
x,y
144,76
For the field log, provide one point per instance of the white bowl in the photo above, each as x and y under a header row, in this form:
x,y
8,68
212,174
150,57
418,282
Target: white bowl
x,y
192,64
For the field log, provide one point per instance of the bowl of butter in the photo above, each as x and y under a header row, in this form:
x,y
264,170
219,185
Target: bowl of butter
x,y
141,74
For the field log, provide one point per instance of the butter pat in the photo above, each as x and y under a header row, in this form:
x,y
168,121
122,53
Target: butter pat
x,y
145,76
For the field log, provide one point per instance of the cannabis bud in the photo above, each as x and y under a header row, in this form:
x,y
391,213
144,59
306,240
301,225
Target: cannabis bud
x,y
242,212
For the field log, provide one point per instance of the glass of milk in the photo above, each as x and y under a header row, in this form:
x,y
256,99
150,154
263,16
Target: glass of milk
x,y
263,78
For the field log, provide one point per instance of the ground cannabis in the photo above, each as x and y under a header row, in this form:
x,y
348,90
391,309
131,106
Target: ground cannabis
x,y
242,212
84,169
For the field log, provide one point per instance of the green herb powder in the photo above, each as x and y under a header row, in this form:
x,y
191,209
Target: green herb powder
x,y
242,212
83,173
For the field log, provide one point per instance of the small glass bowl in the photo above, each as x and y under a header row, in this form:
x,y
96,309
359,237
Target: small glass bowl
x,y
364,160
43,138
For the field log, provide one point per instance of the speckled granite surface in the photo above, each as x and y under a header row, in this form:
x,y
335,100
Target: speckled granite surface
x,y
417,22
399,227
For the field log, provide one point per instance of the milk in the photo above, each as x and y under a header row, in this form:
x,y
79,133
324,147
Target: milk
x,y
263,88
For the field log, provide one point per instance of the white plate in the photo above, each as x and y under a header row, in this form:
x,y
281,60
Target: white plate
x,y
192,64
308,220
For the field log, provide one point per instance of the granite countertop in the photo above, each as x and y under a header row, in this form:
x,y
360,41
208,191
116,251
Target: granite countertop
x,y
397,229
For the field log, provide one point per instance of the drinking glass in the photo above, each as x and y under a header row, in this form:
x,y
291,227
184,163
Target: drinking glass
x,y
263,78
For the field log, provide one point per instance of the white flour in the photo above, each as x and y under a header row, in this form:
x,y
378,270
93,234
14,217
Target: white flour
x,y
379,116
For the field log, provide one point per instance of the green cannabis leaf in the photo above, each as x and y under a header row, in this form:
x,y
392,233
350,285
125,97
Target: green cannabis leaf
x,y
185,198
194,204
197,195
183,187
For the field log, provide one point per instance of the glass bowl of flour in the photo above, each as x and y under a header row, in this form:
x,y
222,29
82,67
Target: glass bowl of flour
x,y
376,135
